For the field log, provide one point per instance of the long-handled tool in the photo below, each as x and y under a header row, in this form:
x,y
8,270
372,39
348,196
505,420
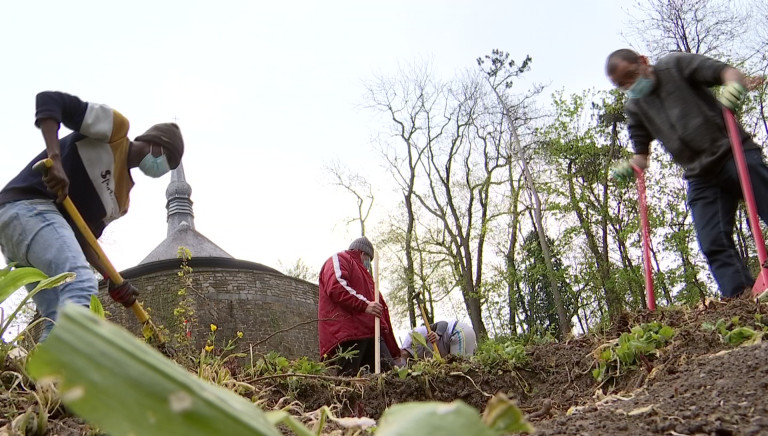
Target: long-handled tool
x,y
761,284
650,297
148,327
377,325
436,352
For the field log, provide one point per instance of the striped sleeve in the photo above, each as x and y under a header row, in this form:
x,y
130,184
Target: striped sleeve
x,y
96,121
64,108
342,281
341,292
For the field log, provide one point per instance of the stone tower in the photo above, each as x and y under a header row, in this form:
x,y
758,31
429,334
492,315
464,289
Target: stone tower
x,y
235,295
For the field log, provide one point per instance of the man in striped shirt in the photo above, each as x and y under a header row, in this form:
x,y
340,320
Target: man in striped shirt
x,y
91,166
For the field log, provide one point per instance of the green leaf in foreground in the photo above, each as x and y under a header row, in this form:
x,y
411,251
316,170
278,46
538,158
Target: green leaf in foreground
x,y
96,307
739,335
13,279
125,387
502,415
432,418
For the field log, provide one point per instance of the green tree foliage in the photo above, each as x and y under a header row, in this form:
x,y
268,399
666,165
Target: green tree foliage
x,y
480,164
540,313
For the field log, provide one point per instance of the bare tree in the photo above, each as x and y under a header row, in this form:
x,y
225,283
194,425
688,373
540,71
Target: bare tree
x,y
416,106
463,172
708,27
359,187
449,207
500,72
300,270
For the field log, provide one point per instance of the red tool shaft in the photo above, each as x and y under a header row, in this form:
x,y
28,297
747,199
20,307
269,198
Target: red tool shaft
x,y
749,198
650,297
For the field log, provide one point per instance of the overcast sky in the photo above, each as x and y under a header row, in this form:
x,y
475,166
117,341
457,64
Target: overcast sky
x,y
266,94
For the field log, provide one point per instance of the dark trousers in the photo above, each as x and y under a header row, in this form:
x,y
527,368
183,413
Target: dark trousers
x,y
713,202
366,357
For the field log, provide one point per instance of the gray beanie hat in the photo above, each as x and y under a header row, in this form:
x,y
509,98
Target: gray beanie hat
x,y
362,244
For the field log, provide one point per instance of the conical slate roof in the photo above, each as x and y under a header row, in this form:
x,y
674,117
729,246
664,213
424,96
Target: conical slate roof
x,y
181,225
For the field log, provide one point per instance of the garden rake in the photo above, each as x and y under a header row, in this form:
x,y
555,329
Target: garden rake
x,y
149,329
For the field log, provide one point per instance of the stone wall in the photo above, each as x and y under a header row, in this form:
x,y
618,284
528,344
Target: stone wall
x,y
256,303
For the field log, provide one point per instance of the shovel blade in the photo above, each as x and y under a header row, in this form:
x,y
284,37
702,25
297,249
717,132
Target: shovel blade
x,y
761,284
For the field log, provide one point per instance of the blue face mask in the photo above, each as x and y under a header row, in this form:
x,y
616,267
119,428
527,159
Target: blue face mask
x,y
642,87
154,166
367,265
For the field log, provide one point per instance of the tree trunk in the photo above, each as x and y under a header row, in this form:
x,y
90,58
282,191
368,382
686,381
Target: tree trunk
x,y
562,318
516,149
409,265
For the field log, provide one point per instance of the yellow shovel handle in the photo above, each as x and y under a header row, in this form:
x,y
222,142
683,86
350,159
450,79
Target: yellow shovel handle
x,y
73,213
426,324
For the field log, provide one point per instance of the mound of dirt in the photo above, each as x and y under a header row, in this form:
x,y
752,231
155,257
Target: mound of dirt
x,y
698,384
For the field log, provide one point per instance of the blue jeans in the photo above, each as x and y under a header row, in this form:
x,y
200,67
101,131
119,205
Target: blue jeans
x,y
713,202
34,233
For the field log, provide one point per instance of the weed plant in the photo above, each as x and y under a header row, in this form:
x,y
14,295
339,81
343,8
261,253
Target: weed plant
x,y
616,357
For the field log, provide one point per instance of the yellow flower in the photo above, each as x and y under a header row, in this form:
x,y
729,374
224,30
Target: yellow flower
x,y
209,348
213,327
239,334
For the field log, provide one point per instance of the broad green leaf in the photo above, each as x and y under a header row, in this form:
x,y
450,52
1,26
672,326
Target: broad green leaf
x,y
125,387
721,327
32,275
6,270
419,339
599,373
54,281
96,307
16,278
666,332
432,418
755,339
606,355
503,416
276,417
739,335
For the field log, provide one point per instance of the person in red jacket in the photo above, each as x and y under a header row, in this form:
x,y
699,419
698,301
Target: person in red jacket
x,y
347,311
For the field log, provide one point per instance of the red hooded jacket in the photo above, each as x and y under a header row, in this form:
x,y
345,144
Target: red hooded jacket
x,y
346,287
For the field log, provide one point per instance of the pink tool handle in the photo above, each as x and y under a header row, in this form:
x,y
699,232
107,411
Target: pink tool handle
x,y
749,196
650,297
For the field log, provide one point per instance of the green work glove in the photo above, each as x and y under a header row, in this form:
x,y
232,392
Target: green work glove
x,y
623,172
731,95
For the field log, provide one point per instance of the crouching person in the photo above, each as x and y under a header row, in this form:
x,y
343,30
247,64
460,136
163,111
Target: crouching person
x,y
452,338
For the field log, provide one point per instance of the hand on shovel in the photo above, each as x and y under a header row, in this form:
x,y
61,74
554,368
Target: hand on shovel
x,y
56,180
374,308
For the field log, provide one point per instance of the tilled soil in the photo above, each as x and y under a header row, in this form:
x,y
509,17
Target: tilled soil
x,y
696,385
699,385
717,394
